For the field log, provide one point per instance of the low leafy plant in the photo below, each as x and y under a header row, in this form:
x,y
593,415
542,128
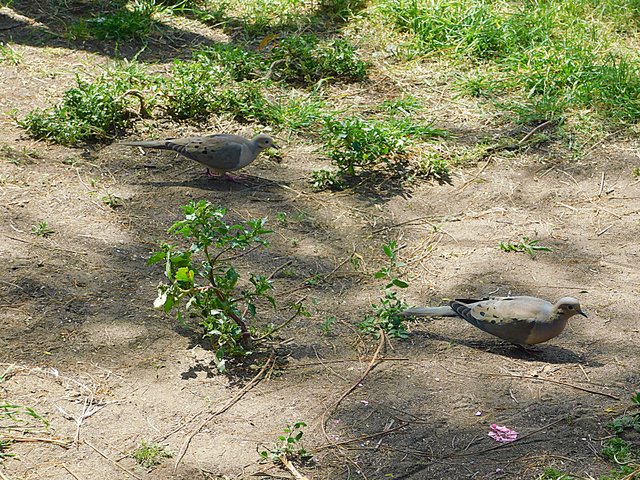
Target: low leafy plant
x,y
326,324
306,59
526,245
554,474
42,230
112,200
630,420
385,314
9,54
636,172
19,418
240,63
288,446
203,283
150,454
357,147
91,111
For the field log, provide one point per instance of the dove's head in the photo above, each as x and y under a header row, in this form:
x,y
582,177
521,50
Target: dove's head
x,y
264,141
568,307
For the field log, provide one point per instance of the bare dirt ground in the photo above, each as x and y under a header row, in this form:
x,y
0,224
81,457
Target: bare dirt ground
x,y
82,339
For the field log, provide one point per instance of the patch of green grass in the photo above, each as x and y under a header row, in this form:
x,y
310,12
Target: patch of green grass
x,y
150,454
526,245
554,474
356,146
240,63
549,58
630,420
636,172
303,112
124,21
404,105
9,54
112,200
203,87
618,451
307,59
42,230
91,111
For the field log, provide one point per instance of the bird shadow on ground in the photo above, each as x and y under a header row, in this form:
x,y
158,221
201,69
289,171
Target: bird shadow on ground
x,y
548,353
220,184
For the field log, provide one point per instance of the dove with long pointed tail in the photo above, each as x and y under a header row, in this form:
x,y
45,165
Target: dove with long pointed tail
x,y
518,319
220,153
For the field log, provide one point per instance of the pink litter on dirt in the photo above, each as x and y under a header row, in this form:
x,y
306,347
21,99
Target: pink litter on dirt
x,y
502,434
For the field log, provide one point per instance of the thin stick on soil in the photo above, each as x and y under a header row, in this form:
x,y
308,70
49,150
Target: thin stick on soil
x,y
60,443
3,476
112,461
254,381
374,361
70,472
359,439
291,467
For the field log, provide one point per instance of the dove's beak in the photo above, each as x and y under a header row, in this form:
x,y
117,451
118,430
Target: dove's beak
x,y
275,145
583,314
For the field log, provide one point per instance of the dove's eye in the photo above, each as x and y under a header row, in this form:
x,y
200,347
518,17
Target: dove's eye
x,y
570,307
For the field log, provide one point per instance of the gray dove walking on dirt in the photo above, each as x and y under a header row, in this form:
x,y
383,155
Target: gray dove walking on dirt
x,y
520,320
220,153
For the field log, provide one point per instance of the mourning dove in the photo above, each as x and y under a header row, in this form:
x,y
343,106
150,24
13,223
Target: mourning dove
x,y
220,153
520,320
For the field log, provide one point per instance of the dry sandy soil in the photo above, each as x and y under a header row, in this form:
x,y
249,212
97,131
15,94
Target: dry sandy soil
x,y
81,340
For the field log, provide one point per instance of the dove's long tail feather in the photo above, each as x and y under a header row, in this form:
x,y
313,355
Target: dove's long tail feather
x,y
149,144
444,311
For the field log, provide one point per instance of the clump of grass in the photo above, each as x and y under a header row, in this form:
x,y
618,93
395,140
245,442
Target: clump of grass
x,y
42,229
128,21
205,86
526,245
549,58
9,54
357,146
551,473
240,63
306,59
150,454
91,111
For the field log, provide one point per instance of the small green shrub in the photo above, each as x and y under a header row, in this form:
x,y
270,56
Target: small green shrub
x,y
203,284
386,313
353,144
150,454
240,63
307,59
91,111
288,446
